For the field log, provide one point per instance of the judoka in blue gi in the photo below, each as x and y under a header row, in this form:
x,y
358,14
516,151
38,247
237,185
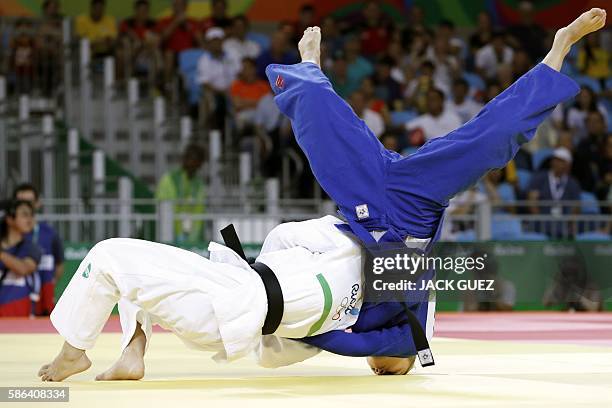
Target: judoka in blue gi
x,y
377,190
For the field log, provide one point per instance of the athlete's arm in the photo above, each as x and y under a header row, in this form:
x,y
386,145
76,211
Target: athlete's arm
x,y
394,341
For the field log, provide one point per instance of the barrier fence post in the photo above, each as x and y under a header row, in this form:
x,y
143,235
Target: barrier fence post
x,y
24,142
48,157
109,117
159,117
133,97
99,174
85,88
165,221
483,220
66,37
126,189
73,180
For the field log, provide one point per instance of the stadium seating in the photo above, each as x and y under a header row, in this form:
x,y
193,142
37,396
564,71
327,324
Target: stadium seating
x,y
524,177
593,236
589,203
188,66
540,156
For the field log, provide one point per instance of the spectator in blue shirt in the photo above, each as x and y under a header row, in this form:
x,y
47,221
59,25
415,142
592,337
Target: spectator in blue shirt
x,y
18,261
43,235
555,185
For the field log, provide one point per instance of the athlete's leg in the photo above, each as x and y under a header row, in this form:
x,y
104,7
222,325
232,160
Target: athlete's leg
x,y
447,165
166,283
346,158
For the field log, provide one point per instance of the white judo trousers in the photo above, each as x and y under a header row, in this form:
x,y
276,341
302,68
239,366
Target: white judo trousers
x,y
217,304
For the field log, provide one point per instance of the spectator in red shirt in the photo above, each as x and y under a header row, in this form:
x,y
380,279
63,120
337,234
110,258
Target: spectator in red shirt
x,y
139,46
375,30
246,92
177,33
305,20
218,18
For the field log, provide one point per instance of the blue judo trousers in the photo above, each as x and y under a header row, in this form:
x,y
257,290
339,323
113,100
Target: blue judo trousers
x,y
378,189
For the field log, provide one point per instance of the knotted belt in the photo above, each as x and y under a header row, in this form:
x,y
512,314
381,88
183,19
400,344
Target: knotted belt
x,y
274,294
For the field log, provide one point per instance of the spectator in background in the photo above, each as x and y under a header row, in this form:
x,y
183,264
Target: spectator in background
x,y
418,88
573,288
594,60
575,116
177,33
43,235
374,102
446,31
555,185
528,35
372,119
218,17
588,153
216,72
338,76
332,43
438,121
499,193
461,103
358,67
390,142
19,286
385,87
492,90
140,43
23,56
49,46
483,34
604,187
184,186
99,28
237,45
246,92
489,57
278,53
306,18
374,30
446,65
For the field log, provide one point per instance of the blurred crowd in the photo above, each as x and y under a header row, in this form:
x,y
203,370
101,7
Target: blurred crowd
x,y
409,81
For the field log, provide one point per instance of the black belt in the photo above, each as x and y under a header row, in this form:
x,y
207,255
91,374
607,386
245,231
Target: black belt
x,y
274,294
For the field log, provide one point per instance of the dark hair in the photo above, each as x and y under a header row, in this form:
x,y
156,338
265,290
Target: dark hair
x,y
593,105
25,187
139,3
249,60
461,81
438,91
446,23
103,2
10,208
196,150
307,7
241,17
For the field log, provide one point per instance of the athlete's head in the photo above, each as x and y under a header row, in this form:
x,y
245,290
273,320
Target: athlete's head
x,y
391,365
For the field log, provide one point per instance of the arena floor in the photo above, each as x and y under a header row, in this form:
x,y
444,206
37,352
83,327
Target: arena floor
x,y
482,360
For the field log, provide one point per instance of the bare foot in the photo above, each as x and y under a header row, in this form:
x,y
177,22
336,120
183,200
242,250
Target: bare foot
x,y
310,45
589,21
69,361
130,365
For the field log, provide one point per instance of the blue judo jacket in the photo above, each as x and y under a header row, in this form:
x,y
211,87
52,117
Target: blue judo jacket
x,y
378,189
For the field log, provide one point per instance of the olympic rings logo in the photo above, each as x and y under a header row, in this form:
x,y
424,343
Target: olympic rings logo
x,y
347,305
